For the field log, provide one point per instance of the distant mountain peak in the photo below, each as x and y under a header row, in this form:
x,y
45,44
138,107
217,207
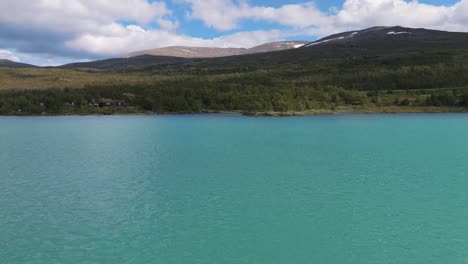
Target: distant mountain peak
x,y
214,52
383,33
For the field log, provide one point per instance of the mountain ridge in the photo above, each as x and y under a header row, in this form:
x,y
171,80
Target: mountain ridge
x,y
388,33
4,63
374,41
214,52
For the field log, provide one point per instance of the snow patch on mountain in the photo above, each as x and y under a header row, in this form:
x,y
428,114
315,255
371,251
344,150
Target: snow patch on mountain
x,y
398,33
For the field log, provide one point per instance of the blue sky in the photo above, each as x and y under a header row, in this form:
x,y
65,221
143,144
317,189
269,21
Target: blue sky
x,y
63,31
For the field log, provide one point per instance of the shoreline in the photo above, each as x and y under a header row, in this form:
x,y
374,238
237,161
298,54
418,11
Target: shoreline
x,y
315,112
366,111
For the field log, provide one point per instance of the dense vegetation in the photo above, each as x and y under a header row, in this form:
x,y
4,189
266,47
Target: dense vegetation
x,y
417,79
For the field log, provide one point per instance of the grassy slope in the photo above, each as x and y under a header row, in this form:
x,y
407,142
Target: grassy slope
x,y
50,78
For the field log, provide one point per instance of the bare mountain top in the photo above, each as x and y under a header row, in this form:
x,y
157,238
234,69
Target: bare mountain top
x,y
189,52
206,52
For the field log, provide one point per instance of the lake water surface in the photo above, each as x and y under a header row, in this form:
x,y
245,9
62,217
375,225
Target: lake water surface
x,y
230,189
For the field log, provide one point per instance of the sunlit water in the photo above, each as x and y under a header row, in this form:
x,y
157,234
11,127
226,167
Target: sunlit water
x,y
230,189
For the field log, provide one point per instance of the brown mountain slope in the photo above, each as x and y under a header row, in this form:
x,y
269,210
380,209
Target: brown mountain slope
x,y
206,52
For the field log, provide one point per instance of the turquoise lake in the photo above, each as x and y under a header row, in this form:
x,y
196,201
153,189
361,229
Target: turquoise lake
x,y
232,189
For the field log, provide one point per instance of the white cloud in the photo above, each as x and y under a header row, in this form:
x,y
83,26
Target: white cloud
x,y
219,14
167,24
225,14
8,55
363,13
297,16
354,14
76,16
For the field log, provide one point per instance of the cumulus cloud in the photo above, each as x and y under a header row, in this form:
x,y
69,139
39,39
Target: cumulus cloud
x,y
79,15
167,24
354,14
44,26
8,55
362,13
226,14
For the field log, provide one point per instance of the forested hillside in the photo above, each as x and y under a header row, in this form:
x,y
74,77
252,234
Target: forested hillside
x,y
375,73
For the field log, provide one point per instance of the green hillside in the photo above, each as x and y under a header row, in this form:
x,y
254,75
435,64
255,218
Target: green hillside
x,y
368,71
